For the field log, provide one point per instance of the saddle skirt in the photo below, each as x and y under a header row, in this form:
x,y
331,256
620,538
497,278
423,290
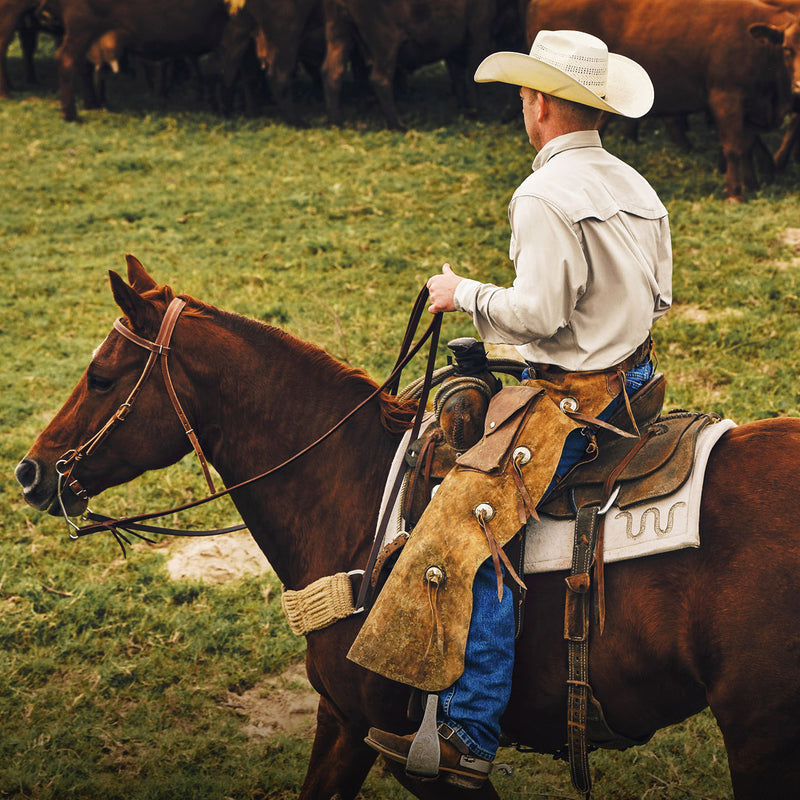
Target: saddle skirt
x,y
637,523
655,506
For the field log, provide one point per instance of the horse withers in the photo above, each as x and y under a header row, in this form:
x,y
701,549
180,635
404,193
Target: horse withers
x,y
714,626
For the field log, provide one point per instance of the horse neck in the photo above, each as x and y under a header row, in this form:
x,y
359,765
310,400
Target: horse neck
x,y
272,396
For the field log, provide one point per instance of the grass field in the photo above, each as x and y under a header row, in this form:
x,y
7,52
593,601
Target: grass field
x,y
113,678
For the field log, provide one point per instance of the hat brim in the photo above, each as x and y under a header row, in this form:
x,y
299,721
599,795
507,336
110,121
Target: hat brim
x,y
629,90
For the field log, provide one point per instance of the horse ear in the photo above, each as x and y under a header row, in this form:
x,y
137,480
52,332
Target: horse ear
x,y
137,275
140,312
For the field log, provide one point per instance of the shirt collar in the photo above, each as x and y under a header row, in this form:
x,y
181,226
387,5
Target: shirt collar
x,y
567,141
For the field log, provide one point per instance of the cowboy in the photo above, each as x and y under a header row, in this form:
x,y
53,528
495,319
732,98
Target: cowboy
x,y
591,249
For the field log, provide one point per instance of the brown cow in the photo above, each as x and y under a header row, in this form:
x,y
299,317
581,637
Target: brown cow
x,y
788,39
280,29
11,14
149,28
409,33
699,58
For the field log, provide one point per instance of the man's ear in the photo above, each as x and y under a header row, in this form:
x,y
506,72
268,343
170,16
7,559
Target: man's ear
x,y
141,313
543,108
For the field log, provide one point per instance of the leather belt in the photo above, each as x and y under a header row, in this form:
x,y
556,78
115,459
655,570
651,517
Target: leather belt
x,y
641,355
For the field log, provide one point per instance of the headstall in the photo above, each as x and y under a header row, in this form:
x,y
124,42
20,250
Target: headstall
x,y
159,350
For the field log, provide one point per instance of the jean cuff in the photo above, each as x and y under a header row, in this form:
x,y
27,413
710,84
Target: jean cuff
x,y
474,748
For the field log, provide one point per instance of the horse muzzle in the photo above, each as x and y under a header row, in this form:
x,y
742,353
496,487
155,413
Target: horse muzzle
x,y
40,489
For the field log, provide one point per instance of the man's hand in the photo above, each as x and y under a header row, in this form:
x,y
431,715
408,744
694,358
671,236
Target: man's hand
x,y
441,289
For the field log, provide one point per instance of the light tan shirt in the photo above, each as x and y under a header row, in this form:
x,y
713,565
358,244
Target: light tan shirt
x,y
591,249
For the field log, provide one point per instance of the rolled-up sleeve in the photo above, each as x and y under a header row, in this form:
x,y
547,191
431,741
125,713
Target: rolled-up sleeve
x,y
551,275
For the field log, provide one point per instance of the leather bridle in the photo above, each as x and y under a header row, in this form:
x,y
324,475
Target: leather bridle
x,y
159,350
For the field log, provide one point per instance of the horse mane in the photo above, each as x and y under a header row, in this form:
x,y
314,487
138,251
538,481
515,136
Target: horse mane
x,y
397,415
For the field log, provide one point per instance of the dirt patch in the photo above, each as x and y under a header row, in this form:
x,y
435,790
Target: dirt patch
x,y
791,238
217,559
286,704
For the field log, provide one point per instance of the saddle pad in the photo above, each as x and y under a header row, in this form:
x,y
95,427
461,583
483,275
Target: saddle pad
x,y
669,523
394,526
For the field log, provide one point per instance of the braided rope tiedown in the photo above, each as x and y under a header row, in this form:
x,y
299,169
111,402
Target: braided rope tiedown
x,y
320,604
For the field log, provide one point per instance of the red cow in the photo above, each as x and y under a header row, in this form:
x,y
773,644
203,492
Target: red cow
x,y
281,30
11,13
409,33
791,138
149,28
705,57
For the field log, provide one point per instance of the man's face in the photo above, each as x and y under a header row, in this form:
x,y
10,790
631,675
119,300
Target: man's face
x,y
530,113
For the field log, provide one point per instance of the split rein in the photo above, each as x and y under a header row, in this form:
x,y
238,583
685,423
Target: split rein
x,y
159,351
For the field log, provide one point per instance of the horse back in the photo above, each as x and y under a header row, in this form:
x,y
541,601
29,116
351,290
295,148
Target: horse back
x,y
684,629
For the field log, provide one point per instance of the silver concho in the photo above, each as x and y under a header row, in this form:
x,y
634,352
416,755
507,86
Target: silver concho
x,y
568,404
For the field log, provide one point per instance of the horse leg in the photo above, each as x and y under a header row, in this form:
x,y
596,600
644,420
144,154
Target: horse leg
x,y
340,760
763,751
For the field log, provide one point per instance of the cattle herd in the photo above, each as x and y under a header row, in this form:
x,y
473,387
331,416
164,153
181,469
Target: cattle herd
x,y
736,60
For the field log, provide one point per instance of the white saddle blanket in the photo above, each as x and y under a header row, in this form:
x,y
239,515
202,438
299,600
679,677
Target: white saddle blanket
x,y
670,523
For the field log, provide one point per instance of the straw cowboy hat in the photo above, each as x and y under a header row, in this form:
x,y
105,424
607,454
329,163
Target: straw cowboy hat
x,y
574,66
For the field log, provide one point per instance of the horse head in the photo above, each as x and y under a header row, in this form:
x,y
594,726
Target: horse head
x,y
101,435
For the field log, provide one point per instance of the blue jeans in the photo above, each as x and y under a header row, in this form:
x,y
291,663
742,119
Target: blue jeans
x,y
473,705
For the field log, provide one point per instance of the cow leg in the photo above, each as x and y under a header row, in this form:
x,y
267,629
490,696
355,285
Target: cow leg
x,y
71,56
280,75
66,81
7,28
765,160
340,760
381,78
790,136
235,41
339,42
678,129
479,43
92,98
727,110
28,39
465,98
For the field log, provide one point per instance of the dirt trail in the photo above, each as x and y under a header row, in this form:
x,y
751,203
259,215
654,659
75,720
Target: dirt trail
x,y
283,704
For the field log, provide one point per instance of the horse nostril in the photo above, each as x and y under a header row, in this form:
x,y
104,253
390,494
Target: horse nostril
x,y
27,473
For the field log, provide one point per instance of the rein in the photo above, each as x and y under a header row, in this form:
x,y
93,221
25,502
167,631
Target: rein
x,y
159,350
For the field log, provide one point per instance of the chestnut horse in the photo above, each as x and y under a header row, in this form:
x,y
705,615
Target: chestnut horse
x,y
715,626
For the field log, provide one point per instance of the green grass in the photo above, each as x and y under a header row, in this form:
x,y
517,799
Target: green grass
x,y
113,677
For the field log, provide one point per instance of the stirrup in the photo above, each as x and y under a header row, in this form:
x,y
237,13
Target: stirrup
x,y
423,755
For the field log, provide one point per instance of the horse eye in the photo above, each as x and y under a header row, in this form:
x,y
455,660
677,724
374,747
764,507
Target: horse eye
x,y
98,384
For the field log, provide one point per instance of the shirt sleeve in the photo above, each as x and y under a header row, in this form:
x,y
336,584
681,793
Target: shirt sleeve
x,y
663,271
551,274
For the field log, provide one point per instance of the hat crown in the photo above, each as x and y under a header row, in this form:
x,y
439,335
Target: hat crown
x,y
580,55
